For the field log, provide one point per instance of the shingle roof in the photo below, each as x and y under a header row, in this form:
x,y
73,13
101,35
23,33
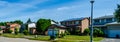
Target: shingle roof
x,y
107,16
74,19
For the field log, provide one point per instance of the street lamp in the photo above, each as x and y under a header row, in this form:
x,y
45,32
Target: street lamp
x,y
91,29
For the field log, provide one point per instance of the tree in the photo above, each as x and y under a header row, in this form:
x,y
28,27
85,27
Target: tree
x,y
42,25
18,21
117,13
2,23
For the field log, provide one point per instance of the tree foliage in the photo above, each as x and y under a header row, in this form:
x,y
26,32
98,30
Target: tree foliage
x,y
117,13
2,23
86,31
42,25
17,21
98,32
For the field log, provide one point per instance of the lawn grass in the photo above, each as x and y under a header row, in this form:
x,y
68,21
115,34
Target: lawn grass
x,y
41,38
67,38
74,38
13,35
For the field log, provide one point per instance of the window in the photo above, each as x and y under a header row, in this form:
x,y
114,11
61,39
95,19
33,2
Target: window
x,y
96,21
109,20
77,22
102,20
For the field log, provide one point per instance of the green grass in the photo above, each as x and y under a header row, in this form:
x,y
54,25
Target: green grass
x,y
74,38
68,38
13,35
41,38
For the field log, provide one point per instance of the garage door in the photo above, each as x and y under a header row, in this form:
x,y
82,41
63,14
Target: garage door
x,y
113,33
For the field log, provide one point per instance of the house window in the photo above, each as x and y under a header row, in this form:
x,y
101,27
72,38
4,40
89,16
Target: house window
x,y
109,20
96,21
102,20
77,22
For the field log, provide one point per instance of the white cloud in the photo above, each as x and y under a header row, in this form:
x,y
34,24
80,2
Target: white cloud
x,y
63,8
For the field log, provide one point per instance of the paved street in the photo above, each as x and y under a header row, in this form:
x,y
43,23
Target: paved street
x,y
111,40
5,39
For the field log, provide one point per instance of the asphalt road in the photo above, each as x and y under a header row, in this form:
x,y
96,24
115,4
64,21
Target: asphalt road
x,y
5,39
110,40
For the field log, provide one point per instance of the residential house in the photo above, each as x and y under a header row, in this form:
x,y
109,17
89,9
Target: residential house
x,y
14,26
2,29
32,28
76,24
101,22
55,28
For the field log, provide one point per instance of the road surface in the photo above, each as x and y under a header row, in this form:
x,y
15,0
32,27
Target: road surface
x,y
5,39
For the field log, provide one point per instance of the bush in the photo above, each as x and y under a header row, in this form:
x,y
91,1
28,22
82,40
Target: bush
x,y
25,32
77,32
16,31
10,31
87,31
98,33
67,33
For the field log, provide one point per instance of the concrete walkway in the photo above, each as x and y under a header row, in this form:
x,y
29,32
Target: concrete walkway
x,y
5,39
110,40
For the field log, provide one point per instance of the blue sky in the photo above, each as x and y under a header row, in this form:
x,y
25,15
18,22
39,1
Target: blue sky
x,y
57,10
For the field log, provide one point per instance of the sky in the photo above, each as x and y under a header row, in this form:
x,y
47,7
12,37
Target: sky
x,y
57,10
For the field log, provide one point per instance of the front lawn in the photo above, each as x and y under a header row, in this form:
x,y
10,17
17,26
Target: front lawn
x,y
13,35
68,38
74,38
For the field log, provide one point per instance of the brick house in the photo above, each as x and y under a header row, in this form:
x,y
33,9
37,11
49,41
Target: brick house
x,y
76,24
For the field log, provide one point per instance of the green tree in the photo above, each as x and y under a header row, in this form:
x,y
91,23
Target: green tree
x,y
117,13
18,21
42,25
2,23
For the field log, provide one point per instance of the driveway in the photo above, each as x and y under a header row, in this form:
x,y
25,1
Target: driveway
x,y
110,40
5,39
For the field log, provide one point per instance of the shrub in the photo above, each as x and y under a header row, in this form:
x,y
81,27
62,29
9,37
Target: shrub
x,y
98,33
16,31
87,31
25,32
67,32
10,31
77,32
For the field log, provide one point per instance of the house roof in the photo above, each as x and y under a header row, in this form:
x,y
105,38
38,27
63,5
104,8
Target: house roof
x,y
113,23
106,16
74,19
2,27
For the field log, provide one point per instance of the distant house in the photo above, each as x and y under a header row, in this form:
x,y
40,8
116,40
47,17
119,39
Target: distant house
x,y
76,24
2,29
14,26
57,28
101,22
32,28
